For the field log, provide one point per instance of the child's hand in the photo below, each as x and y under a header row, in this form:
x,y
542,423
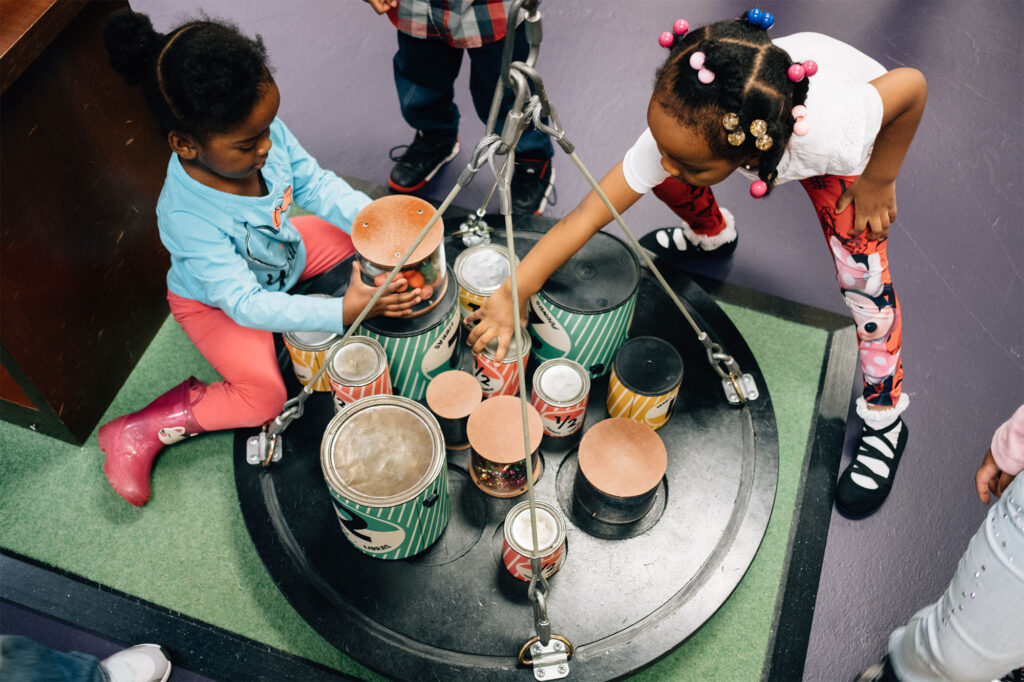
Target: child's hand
x,y
393,304
990,479
382,6
494,319
875,206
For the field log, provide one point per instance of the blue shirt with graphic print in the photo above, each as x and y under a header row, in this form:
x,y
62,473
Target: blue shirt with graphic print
x,y
242,254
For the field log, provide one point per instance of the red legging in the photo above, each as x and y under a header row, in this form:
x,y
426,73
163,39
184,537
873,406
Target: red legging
x,y
252,391
862,270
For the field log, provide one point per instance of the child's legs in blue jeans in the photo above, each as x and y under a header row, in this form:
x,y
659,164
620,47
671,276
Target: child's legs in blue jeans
x,y
862,270
425,71
975,631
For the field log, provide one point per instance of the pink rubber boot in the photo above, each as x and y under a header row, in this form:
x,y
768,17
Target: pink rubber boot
x,y
133,441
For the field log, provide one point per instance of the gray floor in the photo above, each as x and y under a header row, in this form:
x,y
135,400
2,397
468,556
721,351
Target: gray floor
x,y
957,250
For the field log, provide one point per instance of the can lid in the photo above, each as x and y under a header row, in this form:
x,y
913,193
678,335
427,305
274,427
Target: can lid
x,y
387,226
561,382
357,361
312,339
382,451
648,365
622,457
495,429
514,352
453,394
599,277
521,531
482,268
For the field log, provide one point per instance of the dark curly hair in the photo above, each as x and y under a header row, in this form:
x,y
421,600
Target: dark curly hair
x,y
750,81
201,78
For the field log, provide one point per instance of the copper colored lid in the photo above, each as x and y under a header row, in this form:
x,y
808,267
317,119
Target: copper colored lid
x,y
454,394
622,457
495,429
388,226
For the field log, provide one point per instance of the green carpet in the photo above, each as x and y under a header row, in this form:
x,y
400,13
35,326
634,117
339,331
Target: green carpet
x,y
188,550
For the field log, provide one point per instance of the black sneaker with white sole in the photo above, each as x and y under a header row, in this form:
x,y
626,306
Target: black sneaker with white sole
x,y
864,485
416,163
533,185
673,245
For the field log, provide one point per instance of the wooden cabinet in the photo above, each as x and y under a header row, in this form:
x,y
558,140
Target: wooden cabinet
x,y
82,270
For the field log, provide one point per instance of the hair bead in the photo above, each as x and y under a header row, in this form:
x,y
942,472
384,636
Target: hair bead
x,y
796,73
760,18
730,121
736,138
681,27
758,127
758,188
810,67
666,39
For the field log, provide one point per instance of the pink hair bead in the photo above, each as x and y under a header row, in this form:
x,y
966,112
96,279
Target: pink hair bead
x,y
799,111
758,188
795,73
800,128
666,39
697,60
705,76
810,67
681,27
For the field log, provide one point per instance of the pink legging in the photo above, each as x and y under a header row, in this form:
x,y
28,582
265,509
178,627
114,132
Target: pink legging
x,y
862,270
252,391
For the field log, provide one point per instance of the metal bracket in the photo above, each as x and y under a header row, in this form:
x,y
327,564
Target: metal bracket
x,y
262,447
733,386
550,662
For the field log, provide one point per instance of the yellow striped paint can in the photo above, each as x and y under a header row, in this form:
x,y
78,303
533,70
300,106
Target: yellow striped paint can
x,y
645,381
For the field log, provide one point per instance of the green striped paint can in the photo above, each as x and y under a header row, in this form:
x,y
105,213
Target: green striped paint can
x,y
419,348
383,458
584,310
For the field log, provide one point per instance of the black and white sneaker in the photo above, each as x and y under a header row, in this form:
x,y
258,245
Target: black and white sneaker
x,y
864,485
677,244
879,672
419,161
533,185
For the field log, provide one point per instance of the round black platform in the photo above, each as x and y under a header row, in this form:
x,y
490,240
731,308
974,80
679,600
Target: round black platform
x,y
625,596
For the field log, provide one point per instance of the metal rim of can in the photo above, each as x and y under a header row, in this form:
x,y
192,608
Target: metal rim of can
x,y
573,365
295,343
677,379
560,533
378,352
489,352
463,259
437,459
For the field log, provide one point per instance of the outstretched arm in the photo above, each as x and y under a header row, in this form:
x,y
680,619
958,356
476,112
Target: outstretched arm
x,y
495,318
873,194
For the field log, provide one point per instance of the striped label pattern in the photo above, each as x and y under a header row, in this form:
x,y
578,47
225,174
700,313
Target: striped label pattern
x,y
307,363
651,410
399,531
496,378
469,302
414,360
346,395
591,340
519,564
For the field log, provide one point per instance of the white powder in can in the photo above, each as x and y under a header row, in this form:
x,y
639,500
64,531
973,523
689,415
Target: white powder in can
x,y
485,271
355,362
561,384
547,529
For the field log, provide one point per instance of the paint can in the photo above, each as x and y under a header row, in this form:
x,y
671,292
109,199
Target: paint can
x,y
308,351
357,368
584,310
645,381
385,229
418,348
516,547
560,391
621,464
452,396
496,455
501,378
480,270
384,463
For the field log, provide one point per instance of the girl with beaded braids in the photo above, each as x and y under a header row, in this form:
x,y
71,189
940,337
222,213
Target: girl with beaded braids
x,y
234,171
803,107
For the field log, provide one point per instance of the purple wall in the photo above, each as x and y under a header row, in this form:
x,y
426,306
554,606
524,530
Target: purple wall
x,y
957,251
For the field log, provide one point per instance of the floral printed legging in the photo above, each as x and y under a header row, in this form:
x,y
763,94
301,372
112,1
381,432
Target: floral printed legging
x,y
862,270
